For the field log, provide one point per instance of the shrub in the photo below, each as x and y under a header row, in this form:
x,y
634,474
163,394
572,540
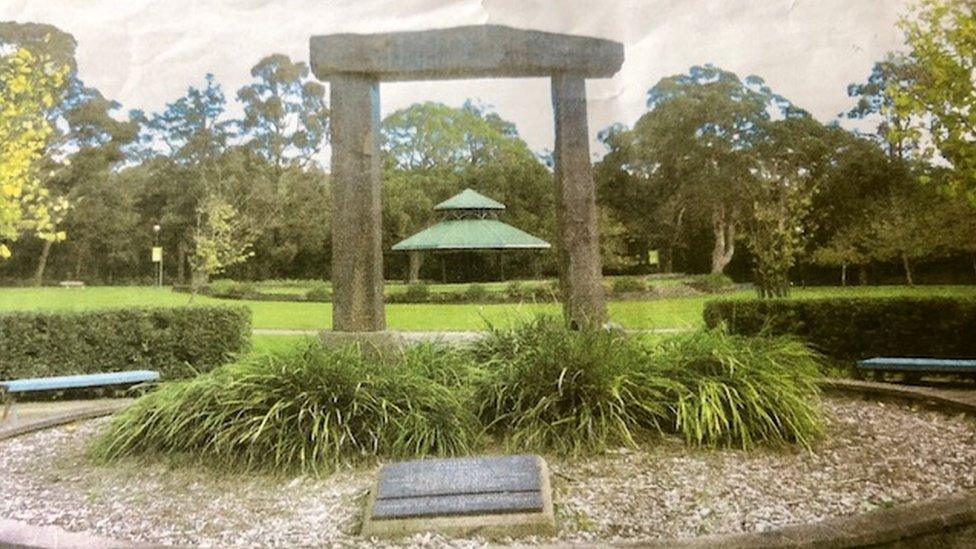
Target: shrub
x,y
516,291
740,391
710,283
628,285
238,290
417,293
862,327
304,409
177,341
548,290
553,389
549,388
475,293
319,292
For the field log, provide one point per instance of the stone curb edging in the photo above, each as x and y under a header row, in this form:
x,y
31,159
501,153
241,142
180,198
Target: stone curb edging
x,y
19,534
16,534
943,522
61,419
939,398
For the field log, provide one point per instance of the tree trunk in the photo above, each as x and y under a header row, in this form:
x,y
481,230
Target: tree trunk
x,y
724,248
181,262
843,274
42,262
862,275
79,263
667,259
667,253
908,269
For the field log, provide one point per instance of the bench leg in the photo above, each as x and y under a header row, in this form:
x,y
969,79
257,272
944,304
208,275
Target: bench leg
x,y
8,403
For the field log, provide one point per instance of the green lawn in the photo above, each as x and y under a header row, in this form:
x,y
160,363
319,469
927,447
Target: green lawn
x,y
299,287
664,313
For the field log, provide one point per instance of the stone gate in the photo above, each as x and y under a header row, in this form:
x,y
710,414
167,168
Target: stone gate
x,y
355,64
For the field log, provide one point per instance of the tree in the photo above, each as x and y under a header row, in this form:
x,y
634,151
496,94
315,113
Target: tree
x,y
219,240
192,135
788,166
956,220
285,123
28,85
908,225
941,36
101,211
86,140
697,136
896,129
844,249
285,113
648,206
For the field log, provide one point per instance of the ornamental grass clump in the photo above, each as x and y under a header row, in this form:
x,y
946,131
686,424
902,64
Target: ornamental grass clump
x,y
308,409
741,391
548,388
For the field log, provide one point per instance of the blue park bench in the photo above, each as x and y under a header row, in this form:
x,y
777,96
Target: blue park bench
x,y
914,368
9,389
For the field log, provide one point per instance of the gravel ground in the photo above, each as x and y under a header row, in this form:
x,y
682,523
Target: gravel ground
x,y
875,455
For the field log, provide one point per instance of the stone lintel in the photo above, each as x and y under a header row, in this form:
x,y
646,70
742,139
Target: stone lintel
x,y
478,51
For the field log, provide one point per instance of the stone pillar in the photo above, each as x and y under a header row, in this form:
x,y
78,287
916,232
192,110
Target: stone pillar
x,y
580,274
357,253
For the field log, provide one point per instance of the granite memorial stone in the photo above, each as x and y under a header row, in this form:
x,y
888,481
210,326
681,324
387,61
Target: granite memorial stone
x,y
498,495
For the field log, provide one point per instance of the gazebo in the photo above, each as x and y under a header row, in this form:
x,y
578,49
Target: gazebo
x,y
469,223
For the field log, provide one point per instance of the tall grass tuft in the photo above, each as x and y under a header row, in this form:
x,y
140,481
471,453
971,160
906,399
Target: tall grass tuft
x,y
741,391
309,409
549,388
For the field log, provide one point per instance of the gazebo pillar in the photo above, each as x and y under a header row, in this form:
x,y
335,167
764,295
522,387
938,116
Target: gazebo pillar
x,y
580,268
416,260
357,247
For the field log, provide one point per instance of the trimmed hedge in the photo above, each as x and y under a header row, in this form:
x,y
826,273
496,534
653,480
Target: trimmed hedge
x,y
178,342
861,327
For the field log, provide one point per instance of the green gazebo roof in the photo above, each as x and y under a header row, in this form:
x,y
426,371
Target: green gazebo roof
x,y
471,234
469,200
472,227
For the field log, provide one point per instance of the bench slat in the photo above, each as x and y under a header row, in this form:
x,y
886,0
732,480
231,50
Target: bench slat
x,y
77,381
918,364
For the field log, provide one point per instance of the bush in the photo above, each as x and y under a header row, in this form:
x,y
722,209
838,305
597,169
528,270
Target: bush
x,y
417,293
549,388
548,291
238,290
516,291
628,285
305,409
475,293
740,391
862,327
710,283
319,292
178,341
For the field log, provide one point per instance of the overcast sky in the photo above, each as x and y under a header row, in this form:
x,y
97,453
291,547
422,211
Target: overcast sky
x,y
145,53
